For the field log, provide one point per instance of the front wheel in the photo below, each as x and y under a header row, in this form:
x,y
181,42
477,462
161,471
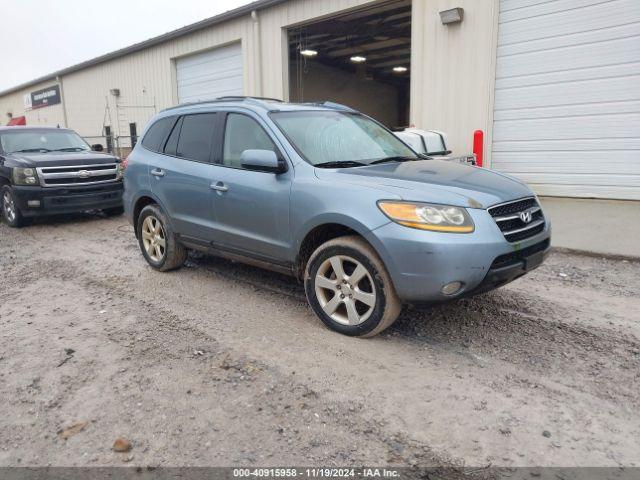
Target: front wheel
x,y
157,241
349,288
10,211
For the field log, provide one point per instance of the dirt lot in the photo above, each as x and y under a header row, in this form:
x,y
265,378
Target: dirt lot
x,y
222,364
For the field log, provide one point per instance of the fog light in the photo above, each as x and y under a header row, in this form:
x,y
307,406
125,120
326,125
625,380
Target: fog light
x,y
452,288
33,203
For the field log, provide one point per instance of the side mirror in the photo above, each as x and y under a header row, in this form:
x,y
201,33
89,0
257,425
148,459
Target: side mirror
x,y
262,161
97,147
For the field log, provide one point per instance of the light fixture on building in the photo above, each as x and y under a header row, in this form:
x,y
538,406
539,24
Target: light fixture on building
x,y
358,59
308,53
455,15
400,69
115,92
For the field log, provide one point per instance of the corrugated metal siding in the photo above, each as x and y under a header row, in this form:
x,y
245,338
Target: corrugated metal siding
x,y
452,69
567,96
146,80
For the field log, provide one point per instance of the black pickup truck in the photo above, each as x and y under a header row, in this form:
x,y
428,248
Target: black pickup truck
x,y
50,171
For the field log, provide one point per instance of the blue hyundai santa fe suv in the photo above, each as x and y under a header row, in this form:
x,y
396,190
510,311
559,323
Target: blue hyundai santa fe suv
x,y
330,196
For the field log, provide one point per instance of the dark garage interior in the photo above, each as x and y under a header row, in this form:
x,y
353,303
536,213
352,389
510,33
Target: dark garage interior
x,y
360,59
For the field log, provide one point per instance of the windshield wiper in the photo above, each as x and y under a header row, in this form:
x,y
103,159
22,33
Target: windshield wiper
x,y
70,149
340,164
394,159
28,150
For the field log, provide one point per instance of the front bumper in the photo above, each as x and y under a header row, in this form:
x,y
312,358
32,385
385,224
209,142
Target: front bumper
x,y
510,266
40,201
421,262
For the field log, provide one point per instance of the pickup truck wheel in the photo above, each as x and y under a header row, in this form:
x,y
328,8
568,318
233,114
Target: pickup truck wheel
x,y
10,211
349,288
157,241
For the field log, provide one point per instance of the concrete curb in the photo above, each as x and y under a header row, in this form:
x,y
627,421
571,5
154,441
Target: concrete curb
x,y
587,253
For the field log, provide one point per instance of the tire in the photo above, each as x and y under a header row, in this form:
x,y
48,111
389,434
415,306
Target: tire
x,y
10,211
113,212
152,228
373,296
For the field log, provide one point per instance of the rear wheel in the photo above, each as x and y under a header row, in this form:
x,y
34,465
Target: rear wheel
x,y
10,211
349,288
157,241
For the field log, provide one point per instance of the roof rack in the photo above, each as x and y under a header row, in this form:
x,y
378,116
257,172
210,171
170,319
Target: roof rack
x,y
248,97
224,99
332,105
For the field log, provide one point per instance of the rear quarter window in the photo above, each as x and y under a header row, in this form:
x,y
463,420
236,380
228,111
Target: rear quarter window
x,y
157,133
196,137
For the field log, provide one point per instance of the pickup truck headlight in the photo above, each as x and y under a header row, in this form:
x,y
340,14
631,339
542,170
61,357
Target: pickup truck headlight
x,y
25,176
120,171
427,216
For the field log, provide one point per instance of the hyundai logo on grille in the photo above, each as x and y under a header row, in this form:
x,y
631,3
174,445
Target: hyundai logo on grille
x,y
84,174
526,216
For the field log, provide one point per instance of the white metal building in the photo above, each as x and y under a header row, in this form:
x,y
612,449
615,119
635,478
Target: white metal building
x,y
554,84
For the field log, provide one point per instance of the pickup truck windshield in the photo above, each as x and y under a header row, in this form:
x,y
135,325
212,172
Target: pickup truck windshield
x,y
42,141
340,139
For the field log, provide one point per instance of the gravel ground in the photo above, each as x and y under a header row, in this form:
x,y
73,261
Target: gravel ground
x,y
224,364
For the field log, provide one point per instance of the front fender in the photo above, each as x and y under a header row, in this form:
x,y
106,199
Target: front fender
x,y
332,218
316,202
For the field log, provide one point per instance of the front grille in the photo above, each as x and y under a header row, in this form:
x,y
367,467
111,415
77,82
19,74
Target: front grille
x,y
512,207
77,175
508,218
512,258
78,180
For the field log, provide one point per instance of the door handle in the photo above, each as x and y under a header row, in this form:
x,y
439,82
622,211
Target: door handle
x,y
157,172
219,187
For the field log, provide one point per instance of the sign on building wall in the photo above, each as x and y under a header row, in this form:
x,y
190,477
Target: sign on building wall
x,y
42,98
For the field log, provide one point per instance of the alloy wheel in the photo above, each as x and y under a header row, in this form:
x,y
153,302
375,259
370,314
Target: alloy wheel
x,y
9,207
154,238
345,290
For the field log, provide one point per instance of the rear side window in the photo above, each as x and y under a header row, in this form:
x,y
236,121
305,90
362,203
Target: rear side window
x,y
157,133
196,137
172,142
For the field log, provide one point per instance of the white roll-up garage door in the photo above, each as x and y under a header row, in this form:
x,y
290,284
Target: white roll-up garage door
x,y
211,74
567,98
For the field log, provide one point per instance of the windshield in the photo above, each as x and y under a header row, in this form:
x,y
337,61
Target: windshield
x,y
42,141
323,137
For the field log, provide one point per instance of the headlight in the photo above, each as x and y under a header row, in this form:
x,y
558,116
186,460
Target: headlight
x,y
426,216
25,176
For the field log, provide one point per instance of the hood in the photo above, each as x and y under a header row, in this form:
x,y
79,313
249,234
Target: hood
x,y
435,181
61,159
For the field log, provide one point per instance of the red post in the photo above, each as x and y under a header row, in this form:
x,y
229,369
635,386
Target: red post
x,y
478,146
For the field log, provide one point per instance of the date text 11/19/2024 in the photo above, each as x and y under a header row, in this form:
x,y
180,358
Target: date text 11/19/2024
x,y
317,472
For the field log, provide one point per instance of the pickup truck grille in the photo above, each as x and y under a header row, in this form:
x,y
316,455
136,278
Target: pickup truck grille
x,y
77,175
508,217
